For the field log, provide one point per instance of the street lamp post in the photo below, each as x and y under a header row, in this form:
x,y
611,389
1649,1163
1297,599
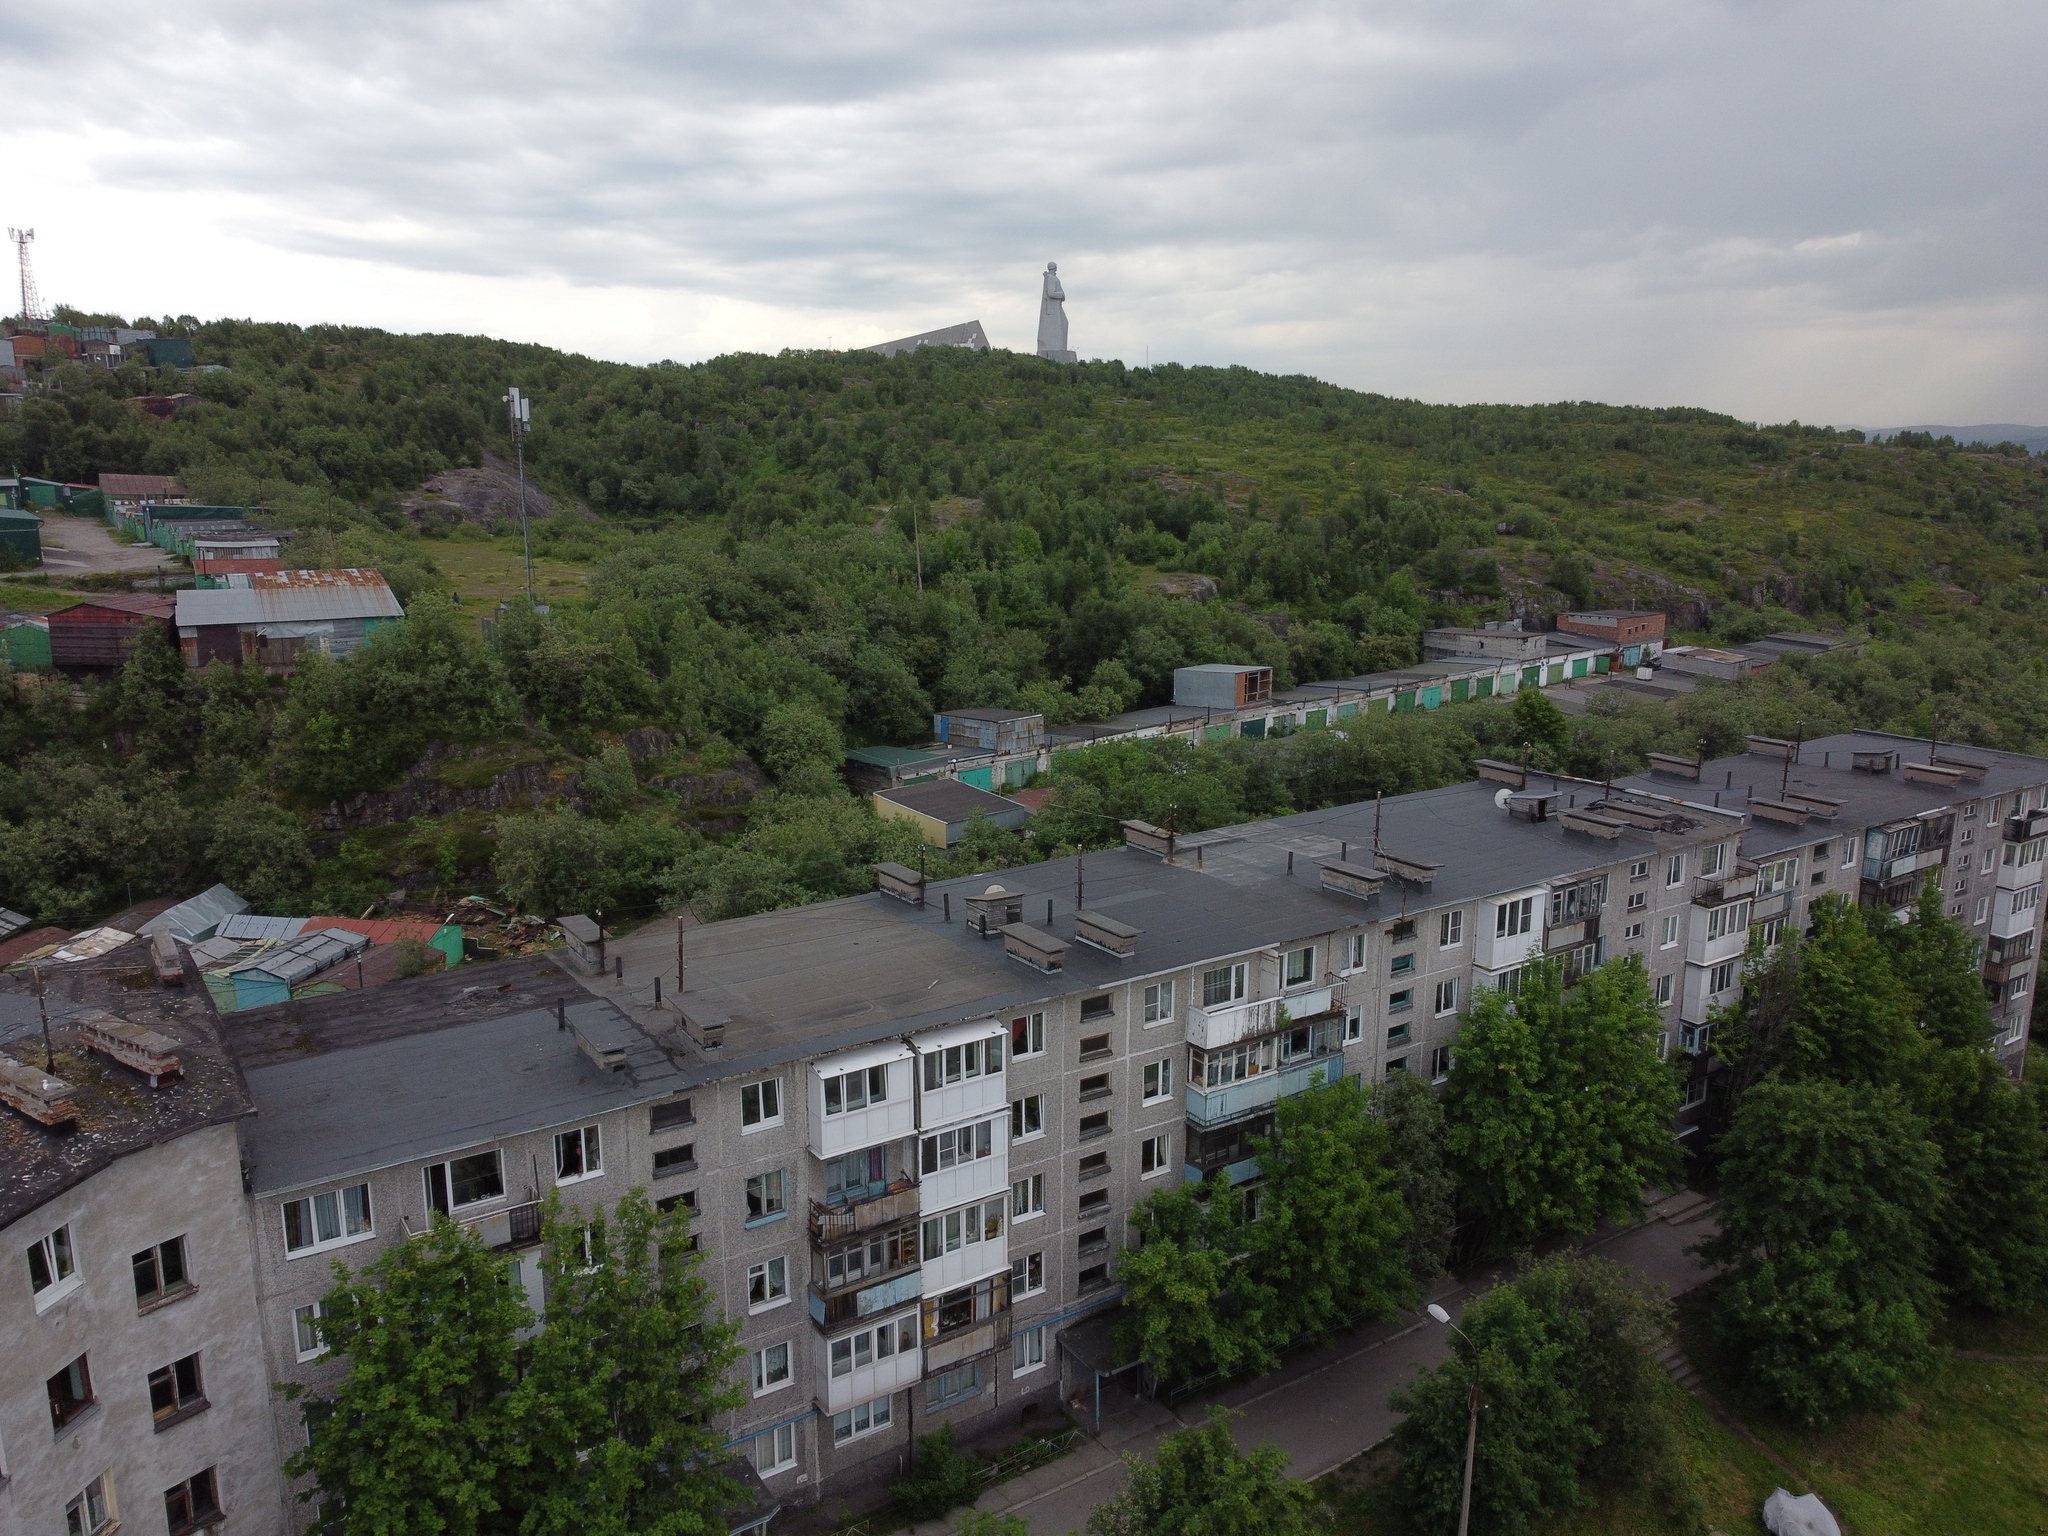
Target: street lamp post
x,y
1472,1429
522,414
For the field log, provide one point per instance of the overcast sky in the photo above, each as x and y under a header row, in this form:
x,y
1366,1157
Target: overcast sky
x,y
1834,212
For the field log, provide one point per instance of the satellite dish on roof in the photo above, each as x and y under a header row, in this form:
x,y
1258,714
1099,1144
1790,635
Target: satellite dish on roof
x,y
1501,797
995,890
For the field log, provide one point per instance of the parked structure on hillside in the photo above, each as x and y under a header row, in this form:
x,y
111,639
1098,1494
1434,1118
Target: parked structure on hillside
x,y
97,636
942,809
969,335
266,618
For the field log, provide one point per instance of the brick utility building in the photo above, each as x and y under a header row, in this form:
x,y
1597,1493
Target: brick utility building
x,y
912,1125
1624,628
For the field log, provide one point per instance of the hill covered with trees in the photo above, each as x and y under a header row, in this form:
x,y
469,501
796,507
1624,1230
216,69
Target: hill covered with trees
x,y
780,556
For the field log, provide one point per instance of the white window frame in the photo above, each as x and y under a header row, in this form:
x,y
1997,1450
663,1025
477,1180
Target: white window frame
x,y
764,1367
1674,871
1034,1036
1027,1351
1440,1064
1447,996
1156,1081
878,1413
344,1236
1354,1025
1725,968
1511,919
304,1320
1983,912
446,1167
781,1453
1022,1268
1027,1118
1354,952
769,1281
1234,986
1712,858
1639,870
873,1083
1450,929
1288,962
59,1253
1664,990
1777,875
1667,931
1632,931
1158,1152
781,1187
1159,1002
95,1498
760,1106
586,1140
1032,1187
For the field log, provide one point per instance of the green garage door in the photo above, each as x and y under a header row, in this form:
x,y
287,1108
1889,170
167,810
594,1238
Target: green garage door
x,y
1485,689
1461,690
980,778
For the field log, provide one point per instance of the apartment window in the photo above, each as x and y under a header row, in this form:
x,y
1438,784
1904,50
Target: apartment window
x,y
1667,931
1722,921
1354,951
962,1144
1663,991
1158,1080
767,1196
1096,1009
306,1339
1446,997
1772,932
774,1450
1639,870
577,1155
1027,1351
981,1222
1722,977
954,1386
1712,860
1027,1197
960,1063
1027,1032
860,1419
1510,980
160,1272
1096,1087
1300,966
1396,1001
174,1391
1778,875
858,1351
1093,1046
92,1510
1094,1166
1354,1025
1450,930
1225,984
1027,1275
760,1105
327,1220
1966,837
1695,1092
771,1368
52,1267
1439,1063
767,1285
1398,1064
1027,1117
670,1116
2027,900
1155,1154
1961,886
672,1160
1983,910
2017,987
1956,910
1849,853
1397,1034
1637,900
70,1392
1402,965
1159,1002
856,1090
1989,859
1511,918
1093,1126
1095,1201
1093,1278
1632,931
464,1182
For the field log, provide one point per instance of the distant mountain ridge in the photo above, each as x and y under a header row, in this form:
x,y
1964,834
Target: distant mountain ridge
x,y
2033,439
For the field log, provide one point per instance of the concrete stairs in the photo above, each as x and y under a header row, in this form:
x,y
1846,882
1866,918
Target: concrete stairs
x,y
1677,1367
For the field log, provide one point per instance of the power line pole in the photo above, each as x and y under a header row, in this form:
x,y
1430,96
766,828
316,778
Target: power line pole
x,y
521,408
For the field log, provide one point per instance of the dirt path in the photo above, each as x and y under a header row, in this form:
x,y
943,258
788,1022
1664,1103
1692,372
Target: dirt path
x,y
81,546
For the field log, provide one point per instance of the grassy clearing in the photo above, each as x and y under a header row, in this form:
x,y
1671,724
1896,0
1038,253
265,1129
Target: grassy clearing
x,y
1968,1457
487,572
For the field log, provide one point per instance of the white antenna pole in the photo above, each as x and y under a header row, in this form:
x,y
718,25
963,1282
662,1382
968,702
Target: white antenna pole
x,y
521,411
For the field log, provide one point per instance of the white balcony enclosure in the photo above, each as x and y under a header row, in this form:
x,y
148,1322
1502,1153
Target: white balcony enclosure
x,y
1703,946
945,1188
974,1261
846,1114
870,1375
1697,999
1495,950
2016,912
953,1072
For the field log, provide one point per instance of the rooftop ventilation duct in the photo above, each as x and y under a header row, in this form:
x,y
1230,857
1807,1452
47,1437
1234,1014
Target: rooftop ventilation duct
x,y
1106,934
147,1051
1341,877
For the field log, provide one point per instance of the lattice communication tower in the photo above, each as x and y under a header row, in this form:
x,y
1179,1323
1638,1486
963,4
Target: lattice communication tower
x,y
31,301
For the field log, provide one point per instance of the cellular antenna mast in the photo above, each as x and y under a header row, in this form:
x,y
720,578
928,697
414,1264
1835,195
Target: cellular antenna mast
x,y
31,301
521,410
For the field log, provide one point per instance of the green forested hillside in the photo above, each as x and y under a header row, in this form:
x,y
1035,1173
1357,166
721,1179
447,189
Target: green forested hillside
x,y
778,555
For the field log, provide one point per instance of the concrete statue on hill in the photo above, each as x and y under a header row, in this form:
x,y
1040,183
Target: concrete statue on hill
x,y
1052,318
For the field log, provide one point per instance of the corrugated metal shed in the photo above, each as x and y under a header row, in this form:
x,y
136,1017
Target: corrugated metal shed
x,y
307,955
247,927
198,918
291,597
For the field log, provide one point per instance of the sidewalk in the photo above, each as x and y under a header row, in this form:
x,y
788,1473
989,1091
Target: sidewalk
x,y
1328,1405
